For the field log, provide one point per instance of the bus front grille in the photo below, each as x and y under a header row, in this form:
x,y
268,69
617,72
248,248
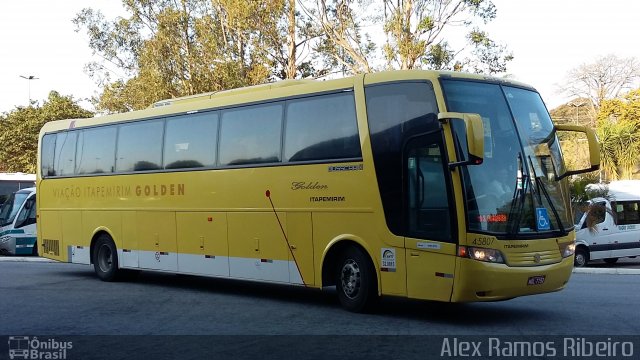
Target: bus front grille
x,y
534,258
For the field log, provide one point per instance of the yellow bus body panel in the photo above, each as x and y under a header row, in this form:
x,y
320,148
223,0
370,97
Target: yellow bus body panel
x,y
272,223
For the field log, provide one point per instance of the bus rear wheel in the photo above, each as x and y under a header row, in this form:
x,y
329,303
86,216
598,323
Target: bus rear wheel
x,y
356,282
105,258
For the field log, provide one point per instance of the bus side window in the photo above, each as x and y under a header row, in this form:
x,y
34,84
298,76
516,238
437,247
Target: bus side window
x,y
47,150
27,215
65,153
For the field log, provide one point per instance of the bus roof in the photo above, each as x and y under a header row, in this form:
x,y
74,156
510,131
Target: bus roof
x,y
218,94
257,93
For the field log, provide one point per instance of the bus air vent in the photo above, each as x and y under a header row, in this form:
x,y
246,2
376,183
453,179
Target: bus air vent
x,y
51,247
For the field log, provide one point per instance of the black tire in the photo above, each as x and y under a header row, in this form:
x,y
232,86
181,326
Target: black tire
x,y
581,257
611,261
34,250
105,258
356,281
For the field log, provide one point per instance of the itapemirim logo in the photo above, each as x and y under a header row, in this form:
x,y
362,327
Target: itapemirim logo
x,y
25,347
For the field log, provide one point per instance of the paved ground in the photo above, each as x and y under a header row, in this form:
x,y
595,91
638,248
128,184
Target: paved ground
x,y
67,302
62,298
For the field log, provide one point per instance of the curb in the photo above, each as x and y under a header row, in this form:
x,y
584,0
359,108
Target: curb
x,y
609,271
24,259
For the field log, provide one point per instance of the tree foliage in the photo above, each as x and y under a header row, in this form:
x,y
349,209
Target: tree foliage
x,y
19,130
167,49
607,78
415,35
617,126
619,134
576,111
172,48
343,44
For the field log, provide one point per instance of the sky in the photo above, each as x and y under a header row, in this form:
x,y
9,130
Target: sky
x,y
548,38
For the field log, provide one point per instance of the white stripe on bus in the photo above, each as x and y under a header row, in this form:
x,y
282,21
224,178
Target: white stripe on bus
x,y
281,271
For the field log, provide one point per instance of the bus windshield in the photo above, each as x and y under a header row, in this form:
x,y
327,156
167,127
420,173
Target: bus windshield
x,y
514,191
10,207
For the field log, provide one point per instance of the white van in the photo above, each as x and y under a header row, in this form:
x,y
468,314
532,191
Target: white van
x,y
18,223
616,225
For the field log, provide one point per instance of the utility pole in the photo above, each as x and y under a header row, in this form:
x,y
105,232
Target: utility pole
x,y
29,78
577,105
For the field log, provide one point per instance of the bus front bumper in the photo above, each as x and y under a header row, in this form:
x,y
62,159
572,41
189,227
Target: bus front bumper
x,y
483,281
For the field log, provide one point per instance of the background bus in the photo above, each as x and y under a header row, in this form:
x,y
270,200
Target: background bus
x,y
11,182
18,223
429,185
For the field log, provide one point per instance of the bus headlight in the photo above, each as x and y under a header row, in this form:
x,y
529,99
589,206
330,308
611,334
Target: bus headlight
x,y
567,249
481,254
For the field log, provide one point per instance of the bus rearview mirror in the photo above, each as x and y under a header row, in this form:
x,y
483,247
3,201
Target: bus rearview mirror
x,y
592,142
473,133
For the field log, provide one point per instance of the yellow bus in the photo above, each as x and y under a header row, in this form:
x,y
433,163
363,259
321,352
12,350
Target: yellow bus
x,y
428,185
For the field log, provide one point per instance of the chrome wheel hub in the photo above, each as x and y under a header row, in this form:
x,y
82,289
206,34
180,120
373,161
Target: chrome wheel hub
x,y
350,279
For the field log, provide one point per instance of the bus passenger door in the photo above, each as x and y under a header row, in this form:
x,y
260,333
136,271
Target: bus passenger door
x,y
430,220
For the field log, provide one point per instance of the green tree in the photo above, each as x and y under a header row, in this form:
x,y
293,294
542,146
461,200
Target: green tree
x,y
618,130
415,35
576,111
20,127
289,45
172,48
168,49
343,44
606,78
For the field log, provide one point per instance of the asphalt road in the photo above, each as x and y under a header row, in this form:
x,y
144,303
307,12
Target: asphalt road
x,y
63,303
67,299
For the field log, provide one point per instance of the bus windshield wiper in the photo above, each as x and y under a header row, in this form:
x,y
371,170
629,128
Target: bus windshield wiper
x,y
543,189
518,199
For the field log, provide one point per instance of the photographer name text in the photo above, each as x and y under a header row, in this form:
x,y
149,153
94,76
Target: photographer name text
x,y
564,347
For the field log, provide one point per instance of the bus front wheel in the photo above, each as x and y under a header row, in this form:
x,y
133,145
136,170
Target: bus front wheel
x,y
105,258
356,282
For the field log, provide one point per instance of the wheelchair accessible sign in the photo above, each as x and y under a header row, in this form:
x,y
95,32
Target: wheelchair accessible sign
x,y
542,219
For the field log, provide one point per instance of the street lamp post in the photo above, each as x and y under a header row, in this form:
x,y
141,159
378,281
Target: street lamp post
x,y
576,105
29,78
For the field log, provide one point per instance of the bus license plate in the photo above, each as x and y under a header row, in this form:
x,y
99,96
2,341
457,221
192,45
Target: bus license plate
x,y
536,280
